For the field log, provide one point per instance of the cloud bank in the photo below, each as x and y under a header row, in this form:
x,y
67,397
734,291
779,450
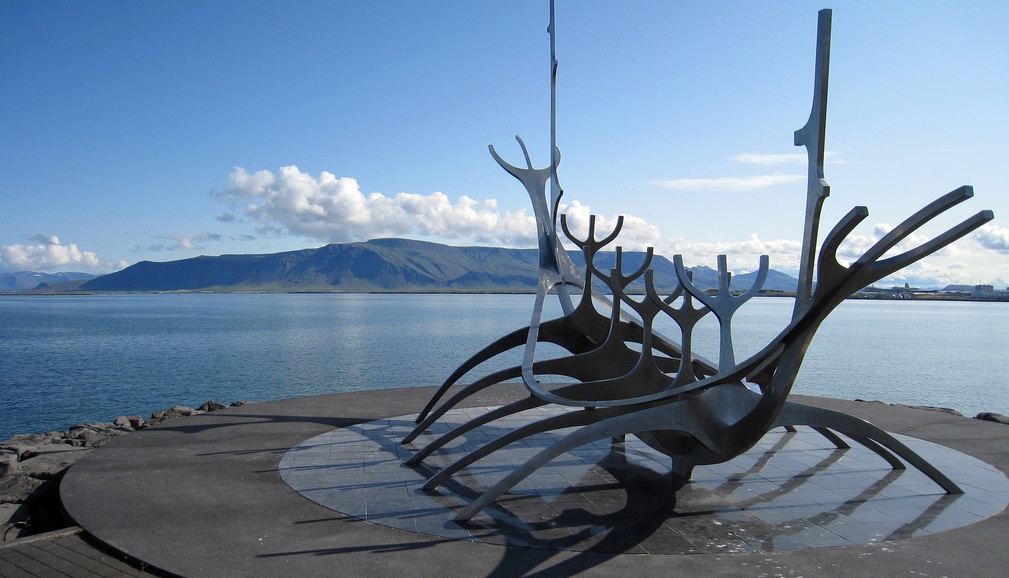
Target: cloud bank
x,y
331,209
335,210
48,254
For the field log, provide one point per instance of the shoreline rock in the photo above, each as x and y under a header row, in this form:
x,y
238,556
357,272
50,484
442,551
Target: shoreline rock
x,y
983,416
32,465
946,410
992,416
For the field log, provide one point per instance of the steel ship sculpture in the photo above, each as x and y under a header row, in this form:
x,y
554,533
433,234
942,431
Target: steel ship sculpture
x,y
627,378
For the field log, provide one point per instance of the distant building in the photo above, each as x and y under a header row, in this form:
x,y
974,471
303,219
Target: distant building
x,y
983,291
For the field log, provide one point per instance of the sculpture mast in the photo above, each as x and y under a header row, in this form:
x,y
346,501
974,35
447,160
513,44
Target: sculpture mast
x,y
555,186
812,136
563,262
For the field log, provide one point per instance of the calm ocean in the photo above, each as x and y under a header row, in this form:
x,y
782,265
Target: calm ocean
x,y
73,359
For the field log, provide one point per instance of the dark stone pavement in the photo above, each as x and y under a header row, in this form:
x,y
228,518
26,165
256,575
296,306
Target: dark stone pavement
x,y
202,497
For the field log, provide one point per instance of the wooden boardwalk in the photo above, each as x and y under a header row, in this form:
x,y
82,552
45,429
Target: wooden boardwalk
x,y
63,553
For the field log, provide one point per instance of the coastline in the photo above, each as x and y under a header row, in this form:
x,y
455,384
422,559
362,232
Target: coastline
x,y
32,466
874,296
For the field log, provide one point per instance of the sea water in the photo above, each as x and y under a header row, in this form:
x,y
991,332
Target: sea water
x,y
74,359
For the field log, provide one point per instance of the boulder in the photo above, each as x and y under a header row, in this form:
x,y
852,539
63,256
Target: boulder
x,y
183,411
129,421
93,435
991,416
945,410
31,506
174,412
9,461
19,488
26,443
212,406
49,462
241,403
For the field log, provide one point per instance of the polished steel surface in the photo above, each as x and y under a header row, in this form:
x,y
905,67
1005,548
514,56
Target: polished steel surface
x,y
790,491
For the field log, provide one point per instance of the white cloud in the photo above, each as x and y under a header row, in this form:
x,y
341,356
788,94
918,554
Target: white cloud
x,y
945,267
993,237
750,183
48,254
334,209
742,256
797,158
770,158
637,234
854,246
925,274
184,241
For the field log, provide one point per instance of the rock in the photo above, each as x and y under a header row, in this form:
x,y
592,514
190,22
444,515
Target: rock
x,y
9,461
51,461
130,421
30,507
991,416
93,434
945,410
241,403
174,412
26,443
19,488
212,406
183,411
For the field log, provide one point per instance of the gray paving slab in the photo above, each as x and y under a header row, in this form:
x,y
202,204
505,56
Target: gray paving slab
x,y
203,497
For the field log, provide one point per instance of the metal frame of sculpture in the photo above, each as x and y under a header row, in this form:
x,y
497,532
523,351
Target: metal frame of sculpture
x,y
632,380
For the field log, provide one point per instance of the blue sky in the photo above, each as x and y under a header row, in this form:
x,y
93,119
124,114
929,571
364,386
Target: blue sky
x,y
164,130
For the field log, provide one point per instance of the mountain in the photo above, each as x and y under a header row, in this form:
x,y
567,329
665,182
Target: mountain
x,y
26,280
400,265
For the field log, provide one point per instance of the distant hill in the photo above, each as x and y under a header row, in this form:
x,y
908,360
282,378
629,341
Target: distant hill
x,y
399,265
27,280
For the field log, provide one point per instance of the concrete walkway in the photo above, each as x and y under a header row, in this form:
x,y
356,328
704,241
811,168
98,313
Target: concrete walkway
x,y
202,497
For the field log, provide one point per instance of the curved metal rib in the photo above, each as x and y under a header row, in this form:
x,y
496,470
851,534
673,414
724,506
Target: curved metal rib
x,y
495,414
615,424
570,419
798,414
506,343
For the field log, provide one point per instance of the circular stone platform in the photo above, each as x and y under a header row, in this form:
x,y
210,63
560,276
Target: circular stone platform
x,y
791,491
203,496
